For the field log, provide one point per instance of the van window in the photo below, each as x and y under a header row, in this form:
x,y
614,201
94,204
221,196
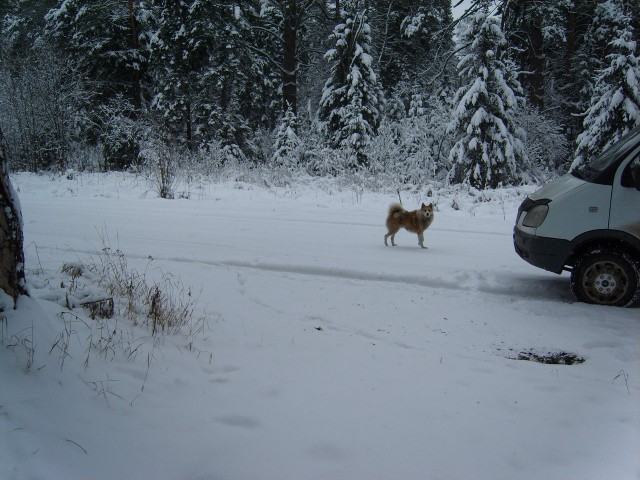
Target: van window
x,y
602,169
627,178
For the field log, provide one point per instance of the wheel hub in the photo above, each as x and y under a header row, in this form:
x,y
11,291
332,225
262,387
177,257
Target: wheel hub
x,y
605,282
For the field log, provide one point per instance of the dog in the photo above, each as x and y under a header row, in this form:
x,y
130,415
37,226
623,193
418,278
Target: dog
x,y
417,221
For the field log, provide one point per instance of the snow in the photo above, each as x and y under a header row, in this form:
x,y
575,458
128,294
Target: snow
x,y
327,354
6,301
459,7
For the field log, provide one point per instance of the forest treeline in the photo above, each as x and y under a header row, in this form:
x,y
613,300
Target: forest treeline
x,y
511,91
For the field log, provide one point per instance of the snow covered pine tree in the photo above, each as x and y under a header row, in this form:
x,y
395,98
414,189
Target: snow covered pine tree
x,y
349,107
287,147
615,106
489,149
11,253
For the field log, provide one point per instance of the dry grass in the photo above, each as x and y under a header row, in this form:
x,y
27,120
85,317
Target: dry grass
x,y
163,306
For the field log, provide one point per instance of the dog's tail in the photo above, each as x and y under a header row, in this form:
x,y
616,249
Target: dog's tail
x,y
395,209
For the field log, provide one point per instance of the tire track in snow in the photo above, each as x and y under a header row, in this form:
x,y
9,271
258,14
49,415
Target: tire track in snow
x,y
510,285
492,282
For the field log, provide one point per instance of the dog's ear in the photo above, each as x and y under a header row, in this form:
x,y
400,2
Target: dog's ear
x,y
423,205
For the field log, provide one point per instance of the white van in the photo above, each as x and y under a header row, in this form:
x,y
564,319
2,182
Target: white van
x,y
588,222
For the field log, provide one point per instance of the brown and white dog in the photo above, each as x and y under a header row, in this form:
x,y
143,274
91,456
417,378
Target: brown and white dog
x,y
417,221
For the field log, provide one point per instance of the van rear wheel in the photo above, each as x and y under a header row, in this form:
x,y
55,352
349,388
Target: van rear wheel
x,y
605,277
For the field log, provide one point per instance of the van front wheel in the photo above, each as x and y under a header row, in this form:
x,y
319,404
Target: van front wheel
x,y
605,277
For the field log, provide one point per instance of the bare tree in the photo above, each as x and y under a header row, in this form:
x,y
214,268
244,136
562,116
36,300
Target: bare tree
x,y
11,240
41,97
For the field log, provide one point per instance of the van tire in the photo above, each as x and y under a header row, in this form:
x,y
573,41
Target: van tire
x,y
606,276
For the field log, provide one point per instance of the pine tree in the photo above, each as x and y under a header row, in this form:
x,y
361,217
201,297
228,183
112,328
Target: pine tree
x,y
416,142
615,105
592,48
524,23
287,145
489,150
581,73
180,49
418,55
22,25
395,52
266,99
209,85
548,40
105,39
351,98
108,43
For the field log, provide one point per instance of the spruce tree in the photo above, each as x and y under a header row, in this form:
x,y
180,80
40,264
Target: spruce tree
x,y
615,105
416,142
419,53
588,59
529,27
287,145
489,149
409,38
181,49
107,40
209,84
351,98
107,44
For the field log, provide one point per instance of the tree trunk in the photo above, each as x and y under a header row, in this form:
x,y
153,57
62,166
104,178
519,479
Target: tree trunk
x,y
11,254
536,62
289,56
136,90
571,38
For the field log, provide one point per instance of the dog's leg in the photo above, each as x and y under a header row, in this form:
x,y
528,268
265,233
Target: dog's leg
x,y
393,229
421,240
392,235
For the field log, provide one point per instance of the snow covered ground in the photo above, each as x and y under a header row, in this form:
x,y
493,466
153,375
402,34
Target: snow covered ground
x,y
327,354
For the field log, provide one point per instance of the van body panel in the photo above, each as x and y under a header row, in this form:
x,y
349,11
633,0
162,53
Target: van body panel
x,y
557,188
606,236
585,206
547,253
